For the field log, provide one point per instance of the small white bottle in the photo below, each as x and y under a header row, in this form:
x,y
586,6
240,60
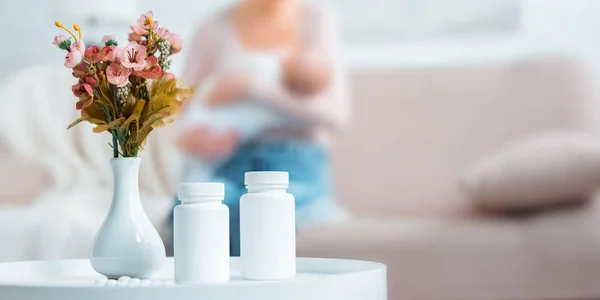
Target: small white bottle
x,y
267,227
201,234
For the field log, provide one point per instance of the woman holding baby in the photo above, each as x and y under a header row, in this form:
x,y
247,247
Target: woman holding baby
x,y
306,90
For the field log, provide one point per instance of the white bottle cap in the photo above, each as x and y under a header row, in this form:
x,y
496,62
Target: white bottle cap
x,y
266,178
201,189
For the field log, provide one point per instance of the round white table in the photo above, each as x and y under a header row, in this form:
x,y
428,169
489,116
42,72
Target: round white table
x,y
317,279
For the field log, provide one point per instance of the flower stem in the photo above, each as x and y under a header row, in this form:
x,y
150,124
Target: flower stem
x,y
115,145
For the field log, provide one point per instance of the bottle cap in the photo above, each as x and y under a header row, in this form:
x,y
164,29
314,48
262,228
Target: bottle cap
x,y
266,178
201,189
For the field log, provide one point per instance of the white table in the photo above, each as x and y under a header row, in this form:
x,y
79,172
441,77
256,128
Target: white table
x,y
317,279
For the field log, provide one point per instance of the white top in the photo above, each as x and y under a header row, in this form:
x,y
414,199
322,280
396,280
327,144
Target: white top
x,y
216,42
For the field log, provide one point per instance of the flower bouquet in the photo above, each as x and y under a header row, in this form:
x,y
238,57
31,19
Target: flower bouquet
x,y
127,92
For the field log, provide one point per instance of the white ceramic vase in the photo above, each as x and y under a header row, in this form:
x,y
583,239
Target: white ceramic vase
x,y
127,244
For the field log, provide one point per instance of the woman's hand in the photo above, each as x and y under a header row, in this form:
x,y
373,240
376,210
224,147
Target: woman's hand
x,y
228,90
201,142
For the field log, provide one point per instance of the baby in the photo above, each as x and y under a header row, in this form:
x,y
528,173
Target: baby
x,y
248,119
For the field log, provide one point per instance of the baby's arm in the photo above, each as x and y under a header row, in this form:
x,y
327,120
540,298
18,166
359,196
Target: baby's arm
x,y
306,76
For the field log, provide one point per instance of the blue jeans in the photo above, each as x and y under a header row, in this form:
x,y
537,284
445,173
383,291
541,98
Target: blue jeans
x,y
310,182
307,164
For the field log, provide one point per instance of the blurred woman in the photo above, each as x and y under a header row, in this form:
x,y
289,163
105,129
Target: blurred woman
x,y
309,91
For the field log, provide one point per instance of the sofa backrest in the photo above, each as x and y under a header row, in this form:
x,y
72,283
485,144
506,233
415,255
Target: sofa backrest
x,y
414,131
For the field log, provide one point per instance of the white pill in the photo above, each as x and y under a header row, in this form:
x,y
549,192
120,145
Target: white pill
x,y
145,282
155,283
168,282
101,281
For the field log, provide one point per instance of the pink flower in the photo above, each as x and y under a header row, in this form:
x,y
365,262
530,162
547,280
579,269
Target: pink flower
x,y
133,56
162,33
109,38
173,39
142,25
117,74
85,93
75,54
59,39
134,37
73,58
93,54
82,89
153,70
108,53
79,46
91,81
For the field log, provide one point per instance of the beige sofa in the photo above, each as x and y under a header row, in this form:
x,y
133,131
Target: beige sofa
x,y
413,134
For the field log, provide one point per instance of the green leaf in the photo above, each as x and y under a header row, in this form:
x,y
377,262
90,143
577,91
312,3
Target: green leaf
x,y
111,43
65,45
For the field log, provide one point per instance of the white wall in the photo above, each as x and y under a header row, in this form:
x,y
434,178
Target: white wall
x,y
567,26
23,32
28,25
548,26
571,27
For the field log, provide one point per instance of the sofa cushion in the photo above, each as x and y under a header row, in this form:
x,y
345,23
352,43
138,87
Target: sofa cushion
x,y
415,131
537,172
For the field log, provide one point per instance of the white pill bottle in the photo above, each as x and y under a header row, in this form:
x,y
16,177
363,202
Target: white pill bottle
x,y
267,227
201,234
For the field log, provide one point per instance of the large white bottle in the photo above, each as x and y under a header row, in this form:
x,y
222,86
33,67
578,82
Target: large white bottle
x,y
201,234
267,227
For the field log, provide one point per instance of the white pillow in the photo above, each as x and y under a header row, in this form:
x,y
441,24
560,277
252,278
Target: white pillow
x,y
546,170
